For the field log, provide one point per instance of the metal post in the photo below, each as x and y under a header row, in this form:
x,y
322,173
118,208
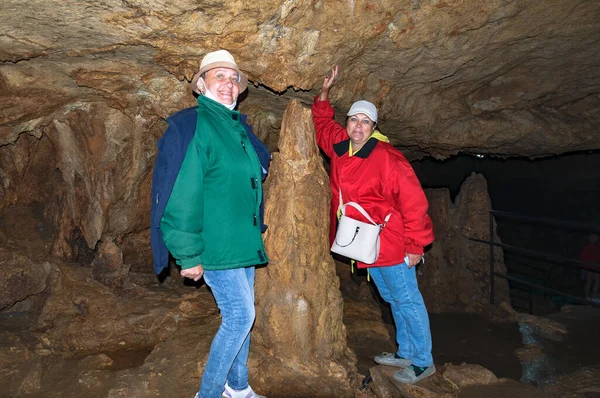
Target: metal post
x,y
491,258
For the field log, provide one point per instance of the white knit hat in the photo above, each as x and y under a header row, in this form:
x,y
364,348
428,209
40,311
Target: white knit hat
x,y
363,107
219,59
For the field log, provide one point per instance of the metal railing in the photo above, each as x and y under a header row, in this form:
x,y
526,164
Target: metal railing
x,y
547,257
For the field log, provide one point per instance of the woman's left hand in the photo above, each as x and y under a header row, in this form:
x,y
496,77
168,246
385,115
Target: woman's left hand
x,y
413,259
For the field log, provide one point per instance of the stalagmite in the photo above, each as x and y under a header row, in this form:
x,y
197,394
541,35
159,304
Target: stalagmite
x,y
299,304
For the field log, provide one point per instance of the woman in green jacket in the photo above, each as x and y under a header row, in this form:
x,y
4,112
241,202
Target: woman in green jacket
x,y
211,221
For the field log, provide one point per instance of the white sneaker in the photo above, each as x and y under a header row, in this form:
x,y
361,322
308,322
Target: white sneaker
x,y
389,359
245,393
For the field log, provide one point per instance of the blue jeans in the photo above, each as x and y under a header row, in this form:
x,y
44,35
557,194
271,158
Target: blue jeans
x,y
227,361
397,285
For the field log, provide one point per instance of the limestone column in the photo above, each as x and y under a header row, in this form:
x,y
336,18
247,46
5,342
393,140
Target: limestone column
x,y
299,304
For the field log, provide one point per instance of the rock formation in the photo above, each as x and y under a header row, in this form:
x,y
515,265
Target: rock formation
x,y
299,317
20,278
456,273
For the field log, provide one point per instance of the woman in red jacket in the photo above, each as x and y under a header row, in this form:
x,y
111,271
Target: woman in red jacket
x,y
590,254
371,172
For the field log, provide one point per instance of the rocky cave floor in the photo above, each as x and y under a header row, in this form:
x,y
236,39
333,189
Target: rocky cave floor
x,y
499,355
477,355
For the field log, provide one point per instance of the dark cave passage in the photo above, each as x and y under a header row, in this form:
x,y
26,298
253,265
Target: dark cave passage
x,y
563,188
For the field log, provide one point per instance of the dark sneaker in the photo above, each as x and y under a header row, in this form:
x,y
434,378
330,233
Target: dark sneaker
x,y
413,374
389,359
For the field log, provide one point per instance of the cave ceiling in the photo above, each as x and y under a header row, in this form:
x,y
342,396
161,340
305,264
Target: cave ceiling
x,y
499,77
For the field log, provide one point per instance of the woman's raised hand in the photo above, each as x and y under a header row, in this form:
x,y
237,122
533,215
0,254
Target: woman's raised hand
x,y
327,83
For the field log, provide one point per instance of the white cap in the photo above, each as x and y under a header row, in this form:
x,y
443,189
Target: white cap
x,y
363,107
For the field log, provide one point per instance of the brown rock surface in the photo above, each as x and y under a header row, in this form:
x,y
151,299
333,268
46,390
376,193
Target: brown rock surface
x,y
165,359
20,277
105,162
88,175
496,76
108,267
448,381
368,334
150,340
83,317
467,375
455,276
299,317
20,367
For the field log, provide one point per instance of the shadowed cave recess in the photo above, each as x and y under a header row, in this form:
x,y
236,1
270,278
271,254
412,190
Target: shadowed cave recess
x,y
495,104
552,209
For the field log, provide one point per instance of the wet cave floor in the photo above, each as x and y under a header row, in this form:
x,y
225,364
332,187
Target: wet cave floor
x,y
457,338
476,339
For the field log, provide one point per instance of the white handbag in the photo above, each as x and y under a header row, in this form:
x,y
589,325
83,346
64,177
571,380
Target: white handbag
x,y
355,239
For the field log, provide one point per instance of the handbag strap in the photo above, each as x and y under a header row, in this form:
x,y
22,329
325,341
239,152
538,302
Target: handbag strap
x,y
362,211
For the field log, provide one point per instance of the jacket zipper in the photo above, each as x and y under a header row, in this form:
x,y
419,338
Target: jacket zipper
x,y
254,181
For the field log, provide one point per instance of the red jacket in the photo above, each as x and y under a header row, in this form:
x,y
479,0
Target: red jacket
x,y
380,179
590,254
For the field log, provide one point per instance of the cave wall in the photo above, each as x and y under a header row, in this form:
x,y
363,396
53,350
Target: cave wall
x,y
85,89
94,81
503,77
86,177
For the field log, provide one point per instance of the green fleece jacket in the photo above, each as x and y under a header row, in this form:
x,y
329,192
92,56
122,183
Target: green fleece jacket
x,y
212,216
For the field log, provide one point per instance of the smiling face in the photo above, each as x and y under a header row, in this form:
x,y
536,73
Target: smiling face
x,y
359,128
223,83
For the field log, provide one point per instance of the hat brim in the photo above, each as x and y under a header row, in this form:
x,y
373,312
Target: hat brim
x,y
243,81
